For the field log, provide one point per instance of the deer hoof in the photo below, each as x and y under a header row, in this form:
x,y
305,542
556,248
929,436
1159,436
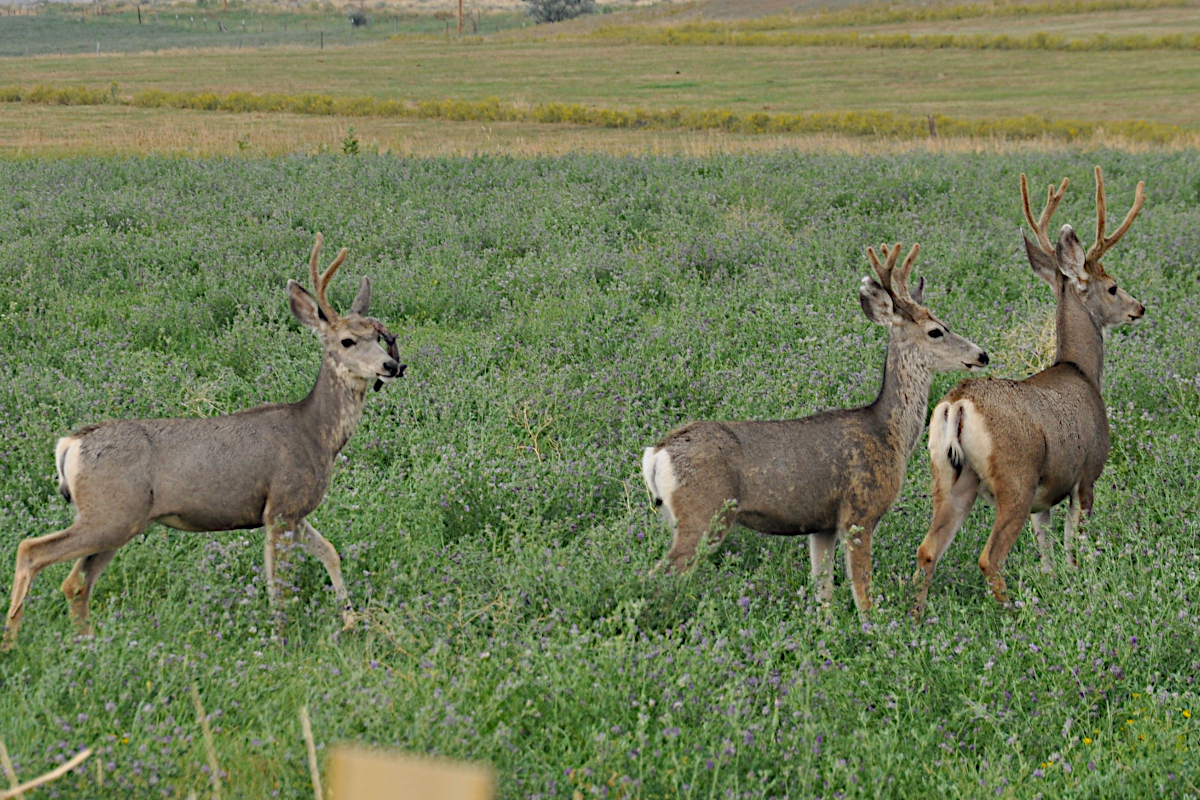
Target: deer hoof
x,y
918,610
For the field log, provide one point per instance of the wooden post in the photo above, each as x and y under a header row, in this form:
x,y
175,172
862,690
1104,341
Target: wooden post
x,y
460,17
356,773
139,8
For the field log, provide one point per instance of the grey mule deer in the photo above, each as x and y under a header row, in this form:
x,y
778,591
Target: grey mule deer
x,y
267,466
831,475
1024,446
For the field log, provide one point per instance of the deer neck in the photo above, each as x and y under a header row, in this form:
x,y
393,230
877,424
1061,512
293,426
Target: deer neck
x,y
334,406
1079,340
904,397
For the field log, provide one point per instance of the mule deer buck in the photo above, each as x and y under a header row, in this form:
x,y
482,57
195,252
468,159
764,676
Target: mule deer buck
x,y
831,475
1024,446
267,466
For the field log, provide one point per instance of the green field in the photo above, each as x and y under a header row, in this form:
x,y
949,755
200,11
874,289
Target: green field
x,y
71,30
557,315
1152,85
666,59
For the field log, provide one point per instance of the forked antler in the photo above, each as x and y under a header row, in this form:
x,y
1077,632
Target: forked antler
x,y
1102,243
320,281
895,281
1053,198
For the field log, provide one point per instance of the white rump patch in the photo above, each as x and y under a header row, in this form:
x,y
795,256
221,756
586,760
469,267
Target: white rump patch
x,y
944,446
66,461
959,437
974,438
659,475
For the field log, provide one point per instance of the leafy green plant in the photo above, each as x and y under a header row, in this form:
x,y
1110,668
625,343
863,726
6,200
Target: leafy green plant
x,y
556,316
350,143
558,10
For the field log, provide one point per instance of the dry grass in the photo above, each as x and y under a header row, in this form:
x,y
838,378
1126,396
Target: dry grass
x,y
1153,85
28,131
1027,345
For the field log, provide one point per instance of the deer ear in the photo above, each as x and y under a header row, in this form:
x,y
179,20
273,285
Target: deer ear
x,y
1071,259
877,304
305,308
1044,266
918,294
362,300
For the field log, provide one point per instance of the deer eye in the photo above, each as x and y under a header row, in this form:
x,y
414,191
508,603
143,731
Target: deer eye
x,y
1112,289
936,333
347,343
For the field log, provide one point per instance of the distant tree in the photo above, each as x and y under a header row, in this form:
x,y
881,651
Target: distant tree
x,y
558,10
358,18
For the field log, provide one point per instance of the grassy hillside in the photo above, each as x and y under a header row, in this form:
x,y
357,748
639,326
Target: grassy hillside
x,y
557,315
1152,85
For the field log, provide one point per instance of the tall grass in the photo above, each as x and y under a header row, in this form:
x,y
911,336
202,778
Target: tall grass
x,y
884,14
557,315
854,123
706,34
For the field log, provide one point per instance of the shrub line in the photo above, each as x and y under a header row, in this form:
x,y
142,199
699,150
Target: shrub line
x,y
882,124
883,15
712,34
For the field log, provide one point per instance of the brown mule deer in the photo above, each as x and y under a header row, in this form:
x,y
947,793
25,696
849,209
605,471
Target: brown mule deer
x,y
1026,445
831,475
267,466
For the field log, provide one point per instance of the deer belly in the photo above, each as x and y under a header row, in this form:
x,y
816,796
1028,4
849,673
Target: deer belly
x,y
201,513
1045,496
797,523
199,522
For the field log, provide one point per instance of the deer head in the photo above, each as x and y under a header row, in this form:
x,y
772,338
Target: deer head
x,y
352,342
886,301
1066,267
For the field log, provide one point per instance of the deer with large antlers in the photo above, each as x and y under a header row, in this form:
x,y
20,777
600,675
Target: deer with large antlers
x,y
267,466
830,476
1024,446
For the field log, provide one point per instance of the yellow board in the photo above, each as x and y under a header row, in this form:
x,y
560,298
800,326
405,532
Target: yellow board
x,y
358,773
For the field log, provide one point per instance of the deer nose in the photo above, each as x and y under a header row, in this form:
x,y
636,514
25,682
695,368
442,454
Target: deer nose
x,y
1141,311
983,359
394,369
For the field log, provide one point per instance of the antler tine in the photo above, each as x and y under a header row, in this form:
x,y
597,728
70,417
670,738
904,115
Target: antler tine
x,y
312,262
1053,198
893,256
900,276
321,281
1102,243
884,272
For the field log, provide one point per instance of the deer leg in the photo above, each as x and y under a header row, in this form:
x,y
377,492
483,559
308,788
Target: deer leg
x,y
320,548
34,555
1071,526
1012,507
277,542
820,558
682,555
953,496
270,531
692,526
1041,529
856,540
78,586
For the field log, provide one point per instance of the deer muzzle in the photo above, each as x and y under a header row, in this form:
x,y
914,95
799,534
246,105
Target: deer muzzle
x,y
393,366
